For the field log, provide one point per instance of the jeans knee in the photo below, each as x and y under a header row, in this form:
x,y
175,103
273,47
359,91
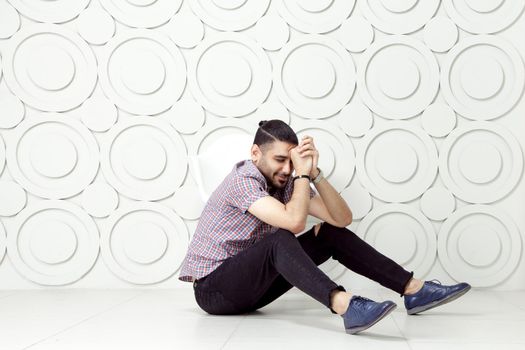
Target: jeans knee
x,y
283,234
284,237
329,227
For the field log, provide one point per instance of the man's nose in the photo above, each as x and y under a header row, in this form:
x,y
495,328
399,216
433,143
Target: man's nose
x,y
288,167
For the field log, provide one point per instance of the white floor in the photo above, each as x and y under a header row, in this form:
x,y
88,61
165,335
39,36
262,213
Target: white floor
x,y
170,319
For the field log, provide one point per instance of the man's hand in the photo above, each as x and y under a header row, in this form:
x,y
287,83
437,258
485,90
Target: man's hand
x,y
306,147
302,164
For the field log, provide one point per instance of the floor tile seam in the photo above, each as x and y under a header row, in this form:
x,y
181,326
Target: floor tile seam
x,y
233,332
83,321
400,331
8,295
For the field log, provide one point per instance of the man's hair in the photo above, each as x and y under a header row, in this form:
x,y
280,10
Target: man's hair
x,y
271,130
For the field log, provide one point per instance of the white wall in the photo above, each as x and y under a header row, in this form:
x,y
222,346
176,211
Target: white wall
x,y
415,106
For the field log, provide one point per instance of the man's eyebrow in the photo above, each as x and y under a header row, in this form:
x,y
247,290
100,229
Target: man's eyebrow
x,y
280,156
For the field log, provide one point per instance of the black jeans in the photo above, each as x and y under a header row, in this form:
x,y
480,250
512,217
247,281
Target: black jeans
x,y
269,268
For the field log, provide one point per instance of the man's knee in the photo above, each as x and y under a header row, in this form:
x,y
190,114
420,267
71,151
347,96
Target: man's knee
x,y
283,236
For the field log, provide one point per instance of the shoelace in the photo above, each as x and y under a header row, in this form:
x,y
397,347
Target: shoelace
x,y
436,282
361,300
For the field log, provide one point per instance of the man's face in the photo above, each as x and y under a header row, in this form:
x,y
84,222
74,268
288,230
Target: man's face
x,y
275,163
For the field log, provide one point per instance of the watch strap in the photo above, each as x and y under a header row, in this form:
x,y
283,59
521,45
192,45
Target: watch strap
x,y
319,176
300,176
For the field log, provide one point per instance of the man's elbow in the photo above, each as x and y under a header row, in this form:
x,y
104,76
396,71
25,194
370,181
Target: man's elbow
x,y
299,227
347,221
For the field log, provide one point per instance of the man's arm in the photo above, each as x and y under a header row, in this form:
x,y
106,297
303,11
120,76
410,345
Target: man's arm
x,y
329,206
290,216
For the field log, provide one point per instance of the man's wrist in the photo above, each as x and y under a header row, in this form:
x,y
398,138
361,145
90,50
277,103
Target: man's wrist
x,y
314,173
319,177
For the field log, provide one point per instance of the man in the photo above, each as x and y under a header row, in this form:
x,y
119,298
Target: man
x,y
245,252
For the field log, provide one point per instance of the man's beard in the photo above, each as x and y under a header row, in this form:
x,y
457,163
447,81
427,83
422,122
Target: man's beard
x,y
273,182
276,184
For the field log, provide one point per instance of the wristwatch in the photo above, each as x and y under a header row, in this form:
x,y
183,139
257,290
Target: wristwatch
x,y
319,177
300,176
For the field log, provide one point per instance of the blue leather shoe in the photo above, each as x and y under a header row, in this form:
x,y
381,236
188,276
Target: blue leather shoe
x,y
363,313
433,294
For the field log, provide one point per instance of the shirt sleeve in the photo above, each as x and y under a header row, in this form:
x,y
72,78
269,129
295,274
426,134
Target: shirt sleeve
x,y
245,191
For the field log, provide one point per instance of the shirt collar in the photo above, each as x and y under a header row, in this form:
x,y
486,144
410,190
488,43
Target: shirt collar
x,y
253,170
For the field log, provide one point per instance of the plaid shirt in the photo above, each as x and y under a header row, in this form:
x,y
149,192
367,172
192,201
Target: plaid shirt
x,y
226,227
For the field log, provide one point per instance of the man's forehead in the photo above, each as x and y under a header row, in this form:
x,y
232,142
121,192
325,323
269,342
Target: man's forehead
x,y
281,149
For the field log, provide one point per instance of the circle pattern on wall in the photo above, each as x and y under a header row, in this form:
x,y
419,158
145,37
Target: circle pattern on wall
x,y
9,20
355,118
186,116
186,203
99,199
437,203
50,67
314,76
13,196
358,199
398,77
438,119
52,156
482,77
182,86
229,15
481,17
142,71
440,34
230,75
143,158
315,16
336,152
56,11
272,32
53,243
13,111
3,241
140,13
480,162
481,244
95,34
186,30
273,108
399,17
387,226
98,113
398,162
2,154
356,34
144,243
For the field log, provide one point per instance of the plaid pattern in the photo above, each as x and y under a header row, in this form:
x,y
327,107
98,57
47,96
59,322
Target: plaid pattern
x,y
226,227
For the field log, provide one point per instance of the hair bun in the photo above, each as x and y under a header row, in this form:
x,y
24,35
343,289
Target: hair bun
x,y
261,123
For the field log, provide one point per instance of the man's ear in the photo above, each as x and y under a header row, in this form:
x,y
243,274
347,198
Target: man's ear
x,y
255,152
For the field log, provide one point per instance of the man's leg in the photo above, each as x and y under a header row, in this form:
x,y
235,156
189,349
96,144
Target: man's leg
x,y
325,241
359,256
280,285
240,282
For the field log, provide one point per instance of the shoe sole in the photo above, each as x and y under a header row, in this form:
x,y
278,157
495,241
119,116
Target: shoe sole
x,y
436,303
362,328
